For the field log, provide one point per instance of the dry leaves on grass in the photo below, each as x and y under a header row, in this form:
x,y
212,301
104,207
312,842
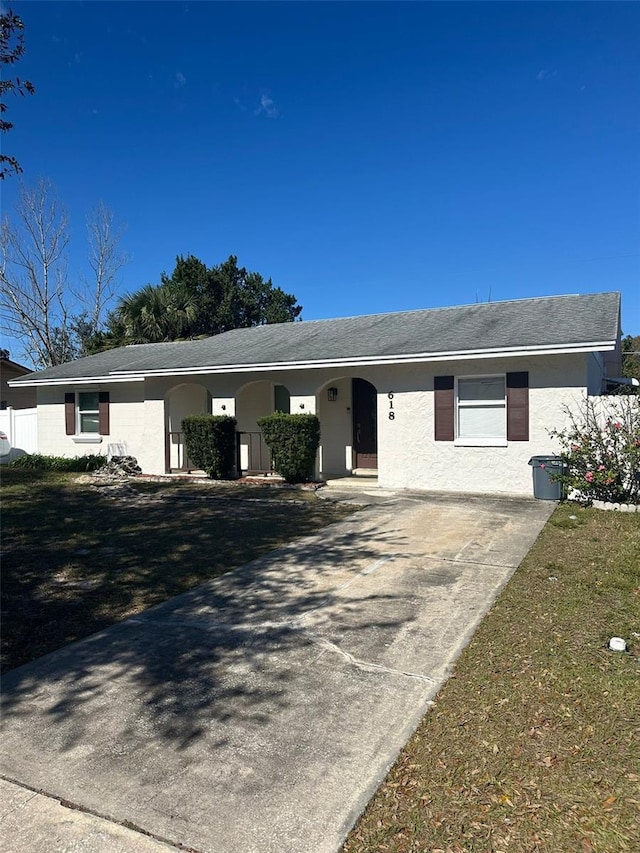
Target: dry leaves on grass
x,y
533,747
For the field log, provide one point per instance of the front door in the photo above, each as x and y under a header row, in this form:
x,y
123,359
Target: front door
x,y
365,424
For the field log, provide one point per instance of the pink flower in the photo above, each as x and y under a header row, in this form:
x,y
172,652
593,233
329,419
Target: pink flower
x,y
576,447
601,468
589,476
618,425
542,465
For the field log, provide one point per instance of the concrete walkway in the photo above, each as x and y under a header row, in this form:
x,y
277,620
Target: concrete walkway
x,y
259,712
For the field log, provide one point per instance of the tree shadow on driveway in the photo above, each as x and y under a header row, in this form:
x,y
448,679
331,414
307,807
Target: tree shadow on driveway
x,y
225,652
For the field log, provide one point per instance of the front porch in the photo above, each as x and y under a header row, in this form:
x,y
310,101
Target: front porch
x,y
254,460
345,406
252,455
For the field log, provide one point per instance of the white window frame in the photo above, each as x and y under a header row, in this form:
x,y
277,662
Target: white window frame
x,y
79,412
480,441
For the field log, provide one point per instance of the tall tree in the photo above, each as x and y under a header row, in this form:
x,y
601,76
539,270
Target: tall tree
x,y
246,299
105,262
11,50
195,301
155,314
51,314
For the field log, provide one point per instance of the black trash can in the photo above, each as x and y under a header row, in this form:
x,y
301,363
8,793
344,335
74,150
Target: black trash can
x,y
543,468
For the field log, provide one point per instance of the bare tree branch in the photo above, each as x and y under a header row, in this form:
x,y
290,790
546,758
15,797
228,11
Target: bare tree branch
x,y
39,305
33,275
105,260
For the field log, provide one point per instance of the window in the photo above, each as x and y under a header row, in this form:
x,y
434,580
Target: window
x,y
481,408
88,412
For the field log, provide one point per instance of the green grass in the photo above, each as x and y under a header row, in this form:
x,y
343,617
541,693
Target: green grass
x,y
77,559
534,743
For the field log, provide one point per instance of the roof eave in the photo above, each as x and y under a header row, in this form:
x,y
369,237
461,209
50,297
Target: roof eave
x,y
363,361
77,380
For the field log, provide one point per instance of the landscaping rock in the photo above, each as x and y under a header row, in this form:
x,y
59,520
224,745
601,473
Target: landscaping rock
x,y
119,467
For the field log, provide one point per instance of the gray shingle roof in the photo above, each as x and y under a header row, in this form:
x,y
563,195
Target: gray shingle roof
x,y
553,321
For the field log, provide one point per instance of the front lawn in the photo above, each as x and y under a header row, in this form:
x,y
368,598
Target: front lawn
x,y
534,744
77,559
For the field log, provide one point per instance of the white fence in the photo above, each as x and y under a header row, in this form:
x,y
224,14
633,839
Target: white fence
x,y
21,428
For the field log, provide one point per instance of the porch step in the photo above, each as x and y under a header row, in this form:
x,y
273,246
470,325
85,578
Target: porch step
x,y
356,481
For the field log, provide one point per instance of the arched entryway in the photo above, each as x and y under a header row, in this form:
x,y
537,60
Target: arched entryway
x,y
333,407
347,408
253,401
365,424
183,400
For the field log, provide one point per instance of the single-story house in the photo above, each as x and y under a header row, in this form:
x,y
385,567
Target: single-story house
x,y
454,399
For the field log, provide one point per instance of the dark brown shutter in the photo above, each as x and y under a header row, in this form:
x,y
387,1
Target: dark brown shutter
x,y
518,406
70,413
103,412
444,408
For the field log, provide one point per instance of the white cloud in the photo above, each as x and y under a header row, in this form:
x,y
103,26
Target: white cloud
x,y
545,74
180,80
267,107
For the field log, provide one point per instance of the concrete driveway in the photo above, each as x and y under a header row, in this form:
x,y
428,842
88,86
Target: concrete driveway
x,y
260,711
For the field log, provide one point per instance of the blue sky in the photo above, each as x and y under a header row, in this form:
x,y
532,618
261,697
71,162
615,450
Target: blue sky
x,y
366,156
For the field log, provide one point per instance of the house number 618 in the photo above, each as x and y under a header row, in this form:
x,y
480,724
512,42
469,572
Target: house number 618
x,y
392,414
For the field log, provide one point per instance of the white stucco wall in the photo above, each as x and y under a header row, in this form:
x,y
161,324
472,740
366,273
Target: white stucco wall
x,y
595,373
182,401
126,422
408,455
254,400
185,400
336,431
151,451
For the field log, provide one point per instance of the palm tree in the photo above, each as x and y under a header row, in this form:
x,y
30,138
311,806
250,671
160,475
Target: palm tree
x,y
155,314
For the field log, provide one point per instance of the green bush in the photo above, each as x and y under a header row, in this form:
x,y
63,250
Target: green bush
x,y
601,449
39,462
211,444
293,441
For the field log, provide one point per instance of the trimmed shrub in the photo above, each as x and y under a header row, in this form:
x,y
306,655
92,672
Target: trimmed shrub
x,y
39,462
211,444
293,441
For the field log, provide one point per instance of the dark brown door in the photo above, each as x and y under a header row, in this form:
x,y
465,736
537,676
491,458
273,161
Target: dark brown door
x,y
365,424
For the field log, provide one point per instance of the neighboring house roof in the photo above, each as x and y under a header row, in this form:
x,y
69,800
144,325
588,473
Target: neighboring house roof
x,y
16,398
13,366
545,324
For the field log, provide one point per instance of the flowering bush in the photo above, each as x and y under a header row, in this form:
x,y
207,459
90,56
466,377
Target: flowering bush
x,y
601,449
